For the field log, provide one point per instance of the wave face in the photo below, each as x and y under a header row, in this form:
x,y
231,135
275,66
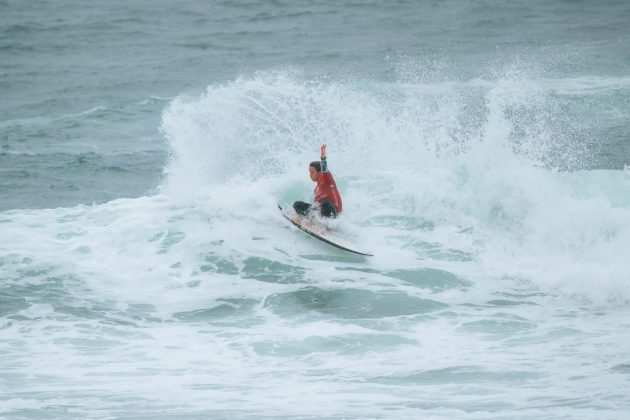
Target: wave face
x,y
499,286
484,160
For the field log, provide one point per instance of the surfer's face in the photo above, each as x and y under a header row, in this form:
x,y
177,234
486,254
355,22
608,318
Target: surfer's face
x,y
312,172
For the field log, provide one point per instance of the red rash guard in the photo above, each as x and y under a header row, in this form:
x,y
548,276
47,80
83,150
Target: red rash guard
x,y
326,188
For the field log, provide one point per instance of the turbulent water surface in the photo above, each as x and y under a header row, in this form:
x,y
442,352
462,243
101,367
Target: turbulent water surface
x,y
482,152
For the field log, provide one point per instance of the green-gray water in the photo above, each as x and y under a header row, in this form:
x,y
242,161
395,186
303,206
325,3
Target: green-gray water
x,y
482,152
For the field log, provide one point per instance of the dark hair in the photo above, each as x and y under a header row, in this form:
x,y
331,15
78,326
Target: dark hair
x,y
317,165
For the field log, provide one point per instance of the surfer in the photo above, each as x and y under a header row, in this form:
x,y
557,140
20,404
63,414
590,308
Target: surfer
x,y
327,197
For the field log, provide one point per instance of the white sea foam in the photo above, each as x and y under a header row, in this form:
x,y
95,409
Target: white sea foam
x,y
486,293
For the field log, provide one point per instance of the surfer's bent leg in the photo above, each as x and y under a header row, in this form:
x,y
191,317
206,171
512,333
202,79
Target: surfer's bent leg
x,y
302,208
328,209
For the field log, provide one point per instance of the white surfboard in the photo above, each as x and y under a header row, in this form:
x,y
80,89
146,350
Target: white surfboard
x,y
318,231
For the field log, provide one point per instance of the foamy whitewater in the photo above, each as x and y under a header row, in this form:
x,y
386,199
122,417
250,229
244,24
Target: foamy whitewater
x,y
499,286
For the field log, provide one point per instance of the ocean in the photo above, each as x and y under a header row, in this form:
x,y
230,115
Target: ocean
x,y
482,150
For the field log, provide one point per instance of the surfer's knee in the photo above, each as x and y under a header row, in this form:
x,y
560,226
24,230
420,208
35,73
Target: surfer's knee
x,y
328,209
301,207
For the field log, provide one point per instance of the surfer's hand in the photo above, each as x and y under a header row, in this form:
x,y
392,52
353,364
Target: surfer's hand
x,y
323,149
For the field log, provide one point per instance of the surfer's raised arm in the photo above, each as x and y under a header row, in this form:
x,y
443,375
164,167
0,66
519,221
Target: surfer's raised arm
x,y
324,165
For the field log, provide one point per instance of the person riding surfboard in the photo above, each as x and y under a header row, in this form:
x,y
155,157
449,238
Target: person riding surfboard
x,y
327,200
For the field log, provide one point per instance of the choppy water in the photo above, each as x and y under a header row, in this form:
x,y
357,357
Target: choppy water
x,y
482,151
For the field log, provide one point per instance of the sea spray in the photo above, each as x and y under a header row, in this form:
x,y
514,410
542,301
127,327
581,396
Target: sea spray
x,y
482,176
